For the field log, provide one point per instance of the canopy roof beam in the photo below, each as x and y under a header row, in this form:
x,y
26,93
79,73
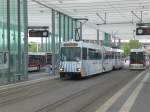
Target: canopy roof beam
x,y
140,18
103,19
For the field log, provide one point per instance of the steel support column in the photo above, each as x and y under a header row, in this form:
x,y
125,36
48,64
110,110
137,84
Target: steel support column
x,y
64,38
42,48
71,29
53,41
59,31
68,28
80,31
25,9
98,36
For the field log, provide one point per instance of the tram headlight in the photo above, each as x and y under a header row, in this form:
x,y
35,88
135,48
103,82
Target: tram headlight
x,y
78,69
61,69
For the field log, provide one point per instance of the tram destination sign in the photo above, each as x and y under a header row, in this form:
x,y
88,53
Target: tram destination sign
x,y
142,24
38,33
70,44
143,31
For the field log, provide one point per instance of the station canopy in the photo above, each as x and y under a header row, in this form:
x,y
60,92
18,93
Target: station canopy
x,y
118,16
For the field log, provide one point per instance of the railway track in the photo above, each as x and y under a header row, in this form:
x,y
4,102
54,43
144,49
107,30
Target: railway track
x,y
55,105
110,90
90,91
19,94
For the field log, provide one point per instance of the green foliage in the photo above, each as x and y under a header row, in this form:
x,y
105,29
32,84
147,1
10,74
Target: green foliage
x,y
32,47
126,48
133,44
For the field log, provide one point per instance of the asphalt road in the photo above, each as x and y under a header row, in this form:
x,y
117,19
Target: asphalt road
x,y
57,95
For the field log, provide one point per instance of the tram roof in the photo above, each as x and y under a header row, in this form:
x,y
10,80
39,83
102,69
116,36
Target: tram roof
x,y
81,44
89,45
137,50
38,53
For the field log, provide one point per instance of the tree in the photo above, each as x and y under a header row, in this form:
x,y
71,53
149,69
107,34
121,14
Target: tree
x,y
32,47
126,48
132,44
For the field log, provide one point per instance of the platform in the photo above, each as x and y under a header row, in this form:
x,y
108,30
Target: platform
x,y
133,97
117,91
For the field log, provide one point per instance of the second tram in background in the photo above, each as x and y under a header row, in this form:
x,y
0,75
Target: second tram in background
x,y
80,59
139,59
38,60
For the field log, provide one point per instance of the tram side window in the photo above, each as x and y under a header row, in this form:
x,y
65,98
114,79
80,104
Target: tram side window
x,y
84,53
113,55
92,54
119,56
106,55
110,55
99,55
42,60
49,59
116,55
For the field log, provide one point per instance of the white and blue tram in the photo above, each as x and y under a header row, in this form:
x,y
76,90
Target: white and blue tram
x,y
80,59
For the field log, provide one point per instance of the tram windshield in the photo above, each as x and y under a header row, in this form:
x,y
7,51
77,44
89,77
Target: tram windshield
x,y
70,54
137,57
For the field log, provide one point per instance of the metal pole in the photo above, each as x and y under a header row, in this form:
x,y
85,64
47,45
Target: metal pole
x,y
53,41
75,30
98,36
141,16
68,29
134,34
25,9
42,44
64,38
49,46
71,29
80,31
46,44
105,17
60,30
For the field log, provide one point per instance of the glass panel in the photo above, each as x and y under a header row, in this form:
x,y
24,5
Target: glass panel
x,y
66,28
56,32
13,36
84,53
68,55
3,25
62,28
74,29
70,29
16,42
96,54
3,40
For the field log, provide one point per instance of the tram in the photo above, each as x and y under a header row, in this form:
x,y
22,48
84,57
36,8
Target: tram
x,y
38,60
80,59
138,59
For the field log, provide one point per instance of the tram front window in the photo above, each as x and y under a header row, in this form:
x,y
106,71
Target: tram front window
x,y
137,57
70,54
